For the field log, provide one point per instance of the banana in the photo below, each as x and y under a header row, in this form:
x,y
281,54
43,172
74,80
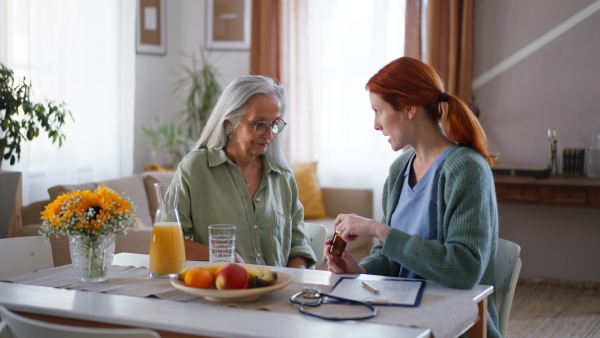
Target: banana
x,y
182,273
254,275
259,276
269,276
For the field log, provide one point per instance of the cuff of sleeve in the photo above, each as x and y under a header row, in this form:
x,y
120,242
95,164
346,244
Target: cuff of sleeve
x,y
310,258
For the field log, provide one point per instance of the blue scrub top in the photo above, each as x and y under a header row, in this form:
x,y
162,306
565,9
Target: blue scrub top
x,y
416,212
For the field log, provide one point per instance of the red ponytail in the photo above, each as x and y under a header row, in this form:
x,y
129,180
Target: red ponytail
x,y
409,82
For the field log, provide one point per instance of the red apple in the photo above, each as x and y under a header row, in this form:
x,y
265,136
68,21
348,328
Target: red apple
x,y
231,276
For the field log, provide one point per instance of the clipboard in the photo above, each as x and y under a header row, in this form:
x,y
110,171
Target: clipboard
x,y
392,291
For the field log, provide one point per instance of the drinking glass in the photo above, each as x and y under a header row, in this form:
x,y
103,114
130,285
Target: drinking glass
x,y
167,251
221,238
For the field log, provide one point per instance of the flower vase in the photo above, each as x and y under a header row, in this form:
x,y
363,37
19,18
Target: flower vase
x,y
92,256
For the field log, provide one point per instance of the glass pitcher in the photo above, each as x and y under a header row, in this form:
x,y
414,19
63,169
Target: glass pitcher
x,y
167,252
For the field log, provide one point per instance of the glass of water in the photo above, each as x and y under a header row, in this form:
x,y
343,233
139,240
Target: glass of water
x,y
221,238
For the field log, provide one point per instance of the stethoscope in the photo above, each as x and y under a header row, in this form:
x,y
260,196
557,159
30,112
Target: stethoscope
x,y
315,298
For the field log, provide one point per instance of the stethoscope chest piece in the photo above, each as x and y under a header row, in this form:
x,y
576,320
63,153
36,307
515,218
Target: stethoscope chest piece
x,y
309,296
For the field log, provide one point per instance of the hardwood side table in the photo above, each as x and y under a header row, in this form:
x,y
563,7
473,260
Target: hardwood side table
x,y
555,191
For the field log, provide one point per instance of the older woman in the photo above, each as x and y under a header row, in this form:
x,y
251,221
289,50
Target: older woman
x,y
237,174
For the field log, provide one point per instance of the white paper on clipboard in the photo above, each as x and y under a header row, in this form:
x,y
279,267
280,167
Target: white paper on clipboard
x,y
395,292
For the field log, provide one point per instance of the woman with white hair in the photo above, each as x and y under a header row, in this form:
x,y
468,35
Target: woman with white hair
x,y
237,174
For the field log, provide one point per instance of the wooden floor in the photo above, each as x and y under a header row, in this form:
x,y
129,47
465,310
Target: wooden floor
x,y
555,308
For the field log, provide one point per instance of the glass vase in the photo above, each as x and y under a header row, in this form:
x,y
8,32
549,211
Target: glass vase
x,y
92,256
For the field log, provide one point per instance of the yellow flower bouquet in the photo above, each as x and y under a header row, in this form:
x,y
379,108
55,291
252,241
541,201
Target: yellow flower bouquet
x,y
88,213
91,219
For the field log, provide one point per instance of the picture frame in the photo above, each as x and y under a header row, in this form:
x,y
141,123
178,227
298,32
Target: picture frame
x,y
228,24
151,37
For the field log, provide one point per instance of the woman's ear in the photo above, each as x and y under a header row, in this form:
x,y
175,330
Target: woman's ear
x,y
411,111
228,128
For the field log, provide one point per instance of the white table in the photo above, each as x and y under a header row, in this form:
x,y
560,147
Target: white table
x,y
200,319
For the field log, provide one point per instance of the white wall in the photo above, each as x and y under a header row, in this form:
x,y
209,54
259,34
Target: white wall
x,y
156,75
557,85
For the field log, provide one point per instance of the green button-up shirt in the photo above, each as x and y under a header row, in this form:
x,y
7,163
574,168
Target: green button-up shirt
x,y
213,191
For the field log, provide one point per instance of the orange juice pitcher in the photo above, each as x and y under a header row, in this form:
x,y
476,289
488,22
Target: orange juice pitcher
x,y
167,253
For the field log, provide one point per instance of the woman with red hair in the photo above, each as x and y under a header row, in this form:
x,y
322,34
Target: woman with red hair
x,y
440,212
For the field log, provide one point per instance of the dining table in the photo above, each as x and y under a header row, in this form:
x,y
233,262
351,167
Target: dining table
x,y
130,298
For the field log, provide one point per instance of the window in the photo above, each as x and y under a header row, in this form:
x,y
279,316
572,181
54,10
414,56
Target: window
x,y
349,41
82,53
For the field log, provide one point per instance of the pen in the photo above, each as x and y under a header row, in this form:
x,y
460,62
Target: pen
x,y
370,288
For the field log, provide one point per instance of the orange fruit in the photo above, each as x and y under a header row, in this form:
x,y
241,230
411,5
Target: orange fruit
x,y
199,277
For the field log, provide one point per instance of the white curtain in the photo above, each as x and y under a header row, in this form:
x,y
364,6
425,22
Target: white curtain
x,y
350,40
81,52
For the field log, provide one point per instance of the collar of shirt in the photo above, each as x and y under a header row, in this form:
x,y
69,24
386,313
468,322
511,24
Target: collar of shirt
x,y
216,157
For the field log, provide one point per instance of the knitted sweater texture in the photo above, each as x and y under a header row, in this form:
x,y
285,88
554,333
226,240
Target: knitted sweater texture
x,y
464,253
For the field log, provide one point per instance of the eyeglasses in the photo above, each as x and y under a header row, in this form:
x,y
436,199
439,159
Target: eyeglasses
x,y
262,127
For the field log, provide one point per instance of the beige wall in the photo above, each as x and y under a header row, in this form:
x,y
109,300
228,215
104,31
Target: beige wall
x,y
556,85
156,75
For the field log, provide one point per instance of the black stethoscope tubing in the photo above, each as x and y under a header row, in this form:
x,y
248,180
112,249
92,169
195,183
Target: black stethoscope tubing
x,y
319,301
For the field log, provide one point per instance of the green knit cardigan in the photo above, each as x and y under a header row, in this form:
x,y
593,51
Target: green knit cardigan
x,y
465,250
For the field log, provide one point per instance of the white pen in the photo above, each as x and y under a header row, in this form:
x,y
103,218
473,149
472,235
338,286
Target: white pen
x,y
370,288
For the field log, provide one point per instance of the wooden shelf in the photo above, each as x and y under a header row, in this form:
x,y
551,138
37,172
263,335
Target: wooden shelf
x,y
557,191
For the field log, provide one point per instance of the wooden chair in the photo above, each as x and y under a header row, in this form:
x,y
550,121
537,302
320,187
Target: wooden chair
x,y
508,268
316,238
17,326
20,255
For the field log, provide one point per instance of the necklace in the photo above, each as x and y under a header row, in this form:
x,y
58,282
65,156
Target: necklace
x,y
251,170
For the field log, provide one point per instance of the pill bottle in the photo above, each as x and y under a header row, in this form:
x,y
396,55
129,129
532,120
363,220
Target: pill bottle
x,y
338,245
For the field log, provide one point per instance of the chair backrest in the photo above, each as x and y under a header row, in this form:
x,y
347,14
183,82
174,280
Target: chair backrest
x,y
508,268
20,255
22,327
317,233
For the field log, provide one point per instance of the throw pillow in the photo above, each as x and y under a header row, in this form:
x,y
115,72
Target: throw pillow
x,y
309,191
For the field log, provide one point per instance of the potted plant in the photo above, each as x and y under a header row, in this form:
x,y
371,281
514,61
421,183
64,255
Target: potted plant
x,y
202,91
21,119
168,139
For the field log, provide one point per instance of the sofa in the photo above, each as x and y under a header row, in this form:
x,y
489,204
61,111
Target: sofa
x,y
140,189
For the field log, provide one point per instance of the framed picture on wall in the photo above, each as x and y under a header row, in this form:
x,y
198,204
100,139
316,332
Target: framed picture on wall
x,y
228,24
151,37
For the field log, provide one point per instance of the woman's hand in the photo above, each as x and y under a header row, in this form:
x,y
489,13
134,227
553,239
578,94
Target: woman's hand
x,y
344,264
351,226
297,262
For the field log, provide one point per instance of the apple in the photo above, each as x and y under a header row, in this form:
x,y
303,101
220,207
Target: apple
x,y
231,276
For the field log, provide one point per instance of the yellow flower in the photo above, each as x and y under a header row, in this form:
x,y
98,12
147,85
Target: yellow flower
x,y
88,208
88,212
52,210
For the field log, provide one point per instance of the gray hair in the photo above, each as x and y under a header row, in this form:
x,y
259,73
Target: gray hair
x,y
231,107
